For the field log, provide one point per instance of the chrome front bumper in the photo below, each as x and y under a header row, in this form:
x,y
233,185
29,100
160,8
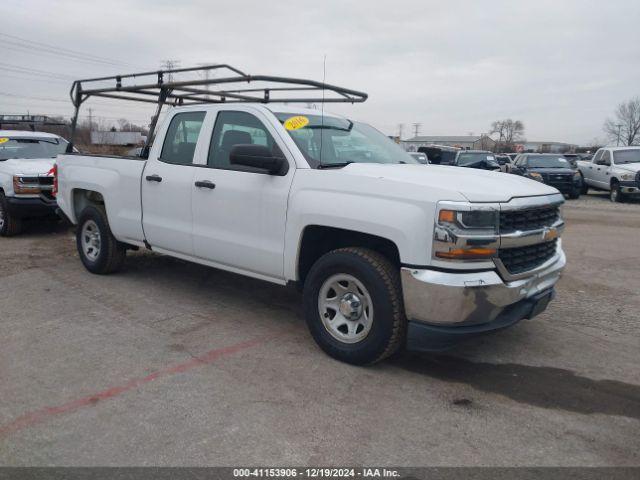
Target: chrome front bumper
x,y
463,299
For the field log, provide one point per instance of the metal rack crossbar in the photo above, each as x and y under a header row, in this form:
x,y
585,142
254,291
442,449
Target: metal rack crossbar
x,y
164,87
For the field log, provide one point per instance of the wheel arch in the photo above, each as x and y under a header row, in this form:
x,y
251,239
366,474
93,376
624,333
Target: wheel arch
x,y
316,240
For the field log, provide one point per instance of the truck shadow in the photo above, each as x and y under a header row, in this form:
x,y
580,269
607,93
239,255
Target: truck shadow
x,y
544,387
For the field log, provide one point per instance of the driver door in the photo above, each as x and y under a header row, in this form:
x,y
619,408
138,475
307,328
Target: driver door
x,y
239,214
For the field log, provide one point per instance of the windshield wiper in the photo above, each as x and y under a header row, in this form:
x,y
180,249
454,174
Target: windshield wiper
x,y
322,166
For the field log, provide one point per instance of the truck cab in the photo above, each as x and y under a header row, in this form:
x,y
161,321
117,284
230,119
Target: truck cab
x,y
613,169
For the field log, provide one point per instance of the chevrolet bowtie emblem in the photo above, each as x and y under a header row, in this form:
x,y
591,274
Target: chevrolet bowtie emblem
x,y
549,233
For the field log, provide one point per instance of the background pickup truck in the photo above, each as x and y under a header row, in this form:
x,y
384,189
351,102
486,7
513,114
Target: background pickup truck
x,y
388,252
26,180
615,169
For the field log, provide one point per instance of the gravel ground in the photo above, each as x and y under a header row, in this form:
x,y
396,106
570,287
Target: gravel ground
x,y
169,363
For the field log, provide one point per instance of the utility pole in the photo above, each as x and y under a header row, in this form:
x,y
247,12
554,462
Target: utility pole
x,y
416,128
170,65
400,129
618,140
90,120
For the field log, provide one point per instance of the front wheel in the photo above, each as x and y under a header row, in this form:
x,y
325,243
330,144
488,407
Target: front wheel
x,y
575,193
99,251
353,306
615,194
9,224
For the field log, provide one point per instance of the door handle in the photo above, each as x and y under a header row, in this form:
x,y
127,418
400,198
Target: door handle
x,y
205,184
154,178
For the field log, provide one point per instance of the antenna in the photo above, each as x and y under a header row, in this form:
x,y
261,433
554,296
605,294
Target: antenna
x,y
324,81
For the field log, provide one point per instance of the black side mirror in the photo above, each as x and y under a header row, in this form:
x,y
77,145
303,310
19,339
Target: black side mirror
x,y
258,157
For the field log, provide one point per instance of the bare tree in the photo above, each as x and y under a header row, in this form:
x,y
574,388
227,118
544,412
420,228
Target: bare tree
x,y
509,131
625,126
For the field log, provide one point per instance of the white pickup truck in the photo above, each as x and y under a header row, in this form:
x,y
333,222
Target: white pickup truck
x,y
26,180
388,252
613,169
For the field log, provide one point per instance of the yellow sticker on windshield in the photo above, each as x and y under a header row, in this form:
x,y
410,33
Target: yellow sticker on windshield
x,y
294,123
4,140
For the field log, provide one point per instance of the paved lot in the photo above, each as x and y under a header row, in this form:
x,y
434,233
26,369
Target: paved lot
x,y
169,363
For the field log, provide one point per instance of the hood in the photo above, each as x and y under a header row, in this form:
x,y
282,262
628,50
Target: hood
x,y
33,166
473,184
629,167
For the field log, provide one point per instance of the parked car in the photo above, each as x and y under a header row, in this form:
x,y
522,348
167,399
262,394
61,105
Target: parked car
x,y
480,159
26,180
573,159
387,253
613,169
420,157
440,154
504,161
552,169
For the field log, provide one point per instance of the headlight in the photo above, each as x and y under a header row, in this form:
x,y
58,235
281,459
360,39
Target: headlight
x,y
26,185
627,176
535,176
466,234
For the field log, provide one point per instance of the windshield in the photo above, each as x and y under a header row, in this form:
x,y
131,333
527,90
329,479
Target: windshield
x,y
626,156
477,157
337,141
30,147
420,157
541,161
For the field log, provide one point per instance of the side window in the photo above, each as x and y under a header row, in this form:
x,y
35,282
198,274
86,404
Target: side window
x,y
237,128
181,138
598,156
606,158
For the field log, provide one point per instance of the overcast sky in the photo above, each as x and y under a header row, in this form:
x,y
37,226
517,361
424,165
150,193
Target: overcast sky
x,y
559,66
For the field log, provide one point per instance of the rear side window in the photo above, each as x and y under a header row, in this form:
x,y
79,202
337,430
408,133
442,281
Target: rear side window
x,y
182,137
237,128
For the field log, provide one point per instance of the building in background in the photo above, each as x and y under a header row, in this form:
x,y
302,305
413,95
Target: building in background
x,y
124,139
467,142
548,147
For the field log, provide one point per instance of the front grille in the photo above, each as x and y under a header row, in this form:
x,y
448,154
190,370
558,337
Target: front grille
x,y
558,180
45,181
522,259
530,219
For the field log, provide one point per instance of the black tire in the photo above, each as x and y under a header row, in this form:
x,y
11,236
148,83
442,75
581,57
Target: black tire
x,y
615,195
381,280
110,254
11,225
575,194
584,189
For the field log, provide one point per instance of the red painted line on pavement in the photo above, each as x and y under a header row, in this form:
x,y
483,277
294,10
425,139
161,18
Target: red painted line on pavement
x,y
37,416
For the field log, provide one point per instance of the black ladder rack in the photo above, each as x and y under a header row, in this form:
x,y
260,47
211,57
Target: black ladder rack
x,y
162,87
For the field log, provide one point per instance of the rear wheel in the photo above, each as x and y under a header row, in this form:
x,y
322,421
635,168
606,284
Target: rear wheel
x,y
615,194
353,305
9,224
99,251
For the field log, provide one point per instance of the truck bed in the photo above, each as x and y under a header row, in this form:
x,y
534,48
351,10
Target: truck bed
x,y
117,179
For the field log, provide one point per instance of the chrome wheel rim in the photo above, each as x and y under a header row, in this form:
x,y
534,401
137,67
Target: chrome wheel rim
x,y
1,217
614,194
90,239
345,308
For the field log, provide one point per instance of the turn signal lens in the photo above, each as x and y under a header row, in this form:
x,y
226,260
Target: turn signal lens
x,y
447,216
467,253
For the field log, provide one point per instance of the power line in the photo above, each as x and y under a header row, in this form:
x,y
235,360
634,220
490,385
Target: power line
x,y
68,51
34,71
41,99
